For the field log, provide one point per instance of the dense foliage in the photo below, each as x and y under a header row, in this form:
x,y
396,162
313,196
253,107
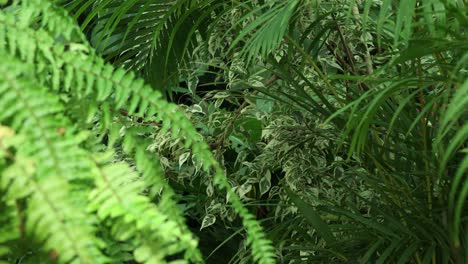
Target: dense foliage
x,y
220,131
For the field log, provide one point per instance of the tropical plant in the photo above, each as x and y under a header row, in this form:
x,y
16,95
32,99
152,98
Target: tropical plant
x,y
77,182
390,77
340,125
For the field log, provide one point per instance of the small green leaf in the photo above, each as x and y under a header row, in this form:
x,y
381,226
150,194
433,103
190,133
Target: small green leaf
x,y
208,220
265,183
142,253
183,158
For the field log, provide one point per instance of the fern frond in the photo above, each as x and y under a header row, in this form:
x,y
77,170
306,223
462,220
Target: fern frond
x,y
262,248
54,19
152,174
117,197
55,159
9,226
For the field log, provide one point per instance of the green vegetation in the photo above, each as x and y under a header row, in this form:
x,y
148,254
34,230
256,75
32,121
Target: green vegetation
x,y
215,131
